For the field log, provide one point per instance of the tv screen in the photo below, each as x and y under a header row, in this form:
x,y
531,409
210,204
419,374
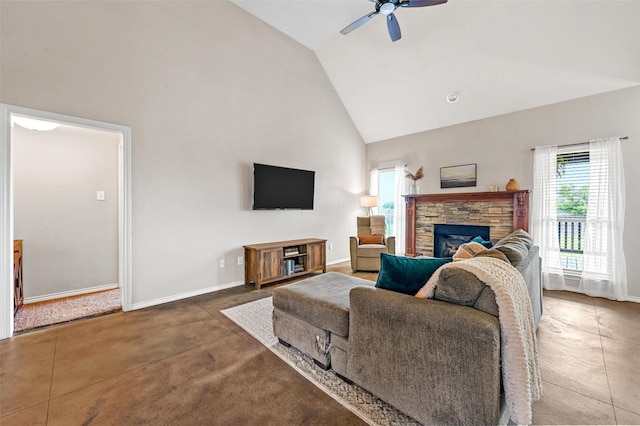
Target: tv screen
x,y
282,188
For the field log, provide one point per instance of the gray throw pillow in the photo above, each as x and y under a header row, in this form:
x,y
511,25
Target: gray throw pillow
x,y
486,302
458,286
514,250
464,288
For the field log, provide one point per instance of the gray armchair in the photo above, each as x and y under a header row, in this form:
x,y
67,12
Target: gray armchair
x,y
370,242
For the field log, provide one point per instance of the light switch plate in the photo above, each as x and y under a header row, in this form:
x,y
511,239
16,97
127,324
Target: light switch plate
x,y
100,195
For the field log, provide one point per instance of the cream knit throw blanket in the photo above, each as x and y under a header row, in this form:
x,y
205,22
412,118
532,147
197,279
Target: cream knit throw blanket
x,y
519,350
377,225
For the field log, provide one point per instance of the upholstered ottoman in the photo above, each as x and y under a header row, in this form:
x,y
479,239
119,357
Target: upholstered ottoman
x,y
313,315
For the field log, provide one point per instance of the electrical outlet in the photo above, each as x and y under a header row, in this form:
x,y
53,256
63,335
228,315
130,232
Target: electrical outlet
x,y
240,261
330,246
222,263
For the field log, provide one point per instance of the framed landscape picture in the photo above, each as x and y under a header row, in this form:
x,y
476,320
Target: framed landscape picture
x,y
458,176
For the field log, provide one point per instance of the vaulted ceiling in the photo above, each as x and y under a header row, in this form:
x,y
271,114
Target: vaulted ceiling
x,y
499,56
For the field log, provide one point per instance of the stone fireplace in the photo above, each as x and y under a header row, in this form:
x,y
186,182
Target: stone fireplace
x,y
501,212
447,238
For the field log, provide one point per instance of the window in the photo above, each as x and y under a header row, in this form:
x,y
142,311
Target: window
x,y
389,184
572,189
386,197
577,217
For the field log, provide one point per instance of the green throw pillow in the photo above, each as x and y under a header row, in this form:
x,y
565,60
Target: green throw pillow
x,y
479,239
406,274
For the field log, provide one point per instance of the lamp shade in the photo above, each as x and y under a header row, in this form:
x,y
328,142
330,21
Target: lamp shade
x,y
369,201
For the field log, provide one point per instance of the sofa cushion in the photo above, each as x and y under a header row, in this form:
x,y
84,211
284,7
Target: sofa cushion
x,y
514,249
493,252
518,235
524,236
322,300
371,239
372,250
364,225
406,274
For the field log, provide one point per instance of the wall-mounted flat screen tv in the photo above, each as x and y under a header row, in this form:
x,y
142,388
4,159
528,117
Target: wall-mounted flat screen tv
x,y
279,188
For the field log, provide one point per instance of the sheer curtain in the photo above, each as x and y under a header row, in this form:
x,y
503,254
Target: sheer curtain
x,y
399,208
373,186
544,216
604,271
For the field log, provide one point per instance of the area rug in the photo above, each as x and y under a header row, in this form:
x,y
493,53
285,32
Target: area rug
x,y
255,319
42,314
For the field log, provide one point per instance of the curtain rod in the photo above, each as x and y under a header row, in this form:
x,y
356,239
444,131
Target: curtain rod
x,y
378,168
582,143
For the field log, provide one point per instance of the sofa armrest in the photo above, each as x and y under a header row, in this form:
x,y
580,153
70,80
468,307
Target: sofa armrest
x,y
353,249
436,361
530,268
391,243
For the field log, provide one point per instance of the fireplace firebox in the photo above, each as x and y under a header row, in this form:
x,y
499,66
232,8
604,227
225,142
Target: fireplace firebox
x,y
447,238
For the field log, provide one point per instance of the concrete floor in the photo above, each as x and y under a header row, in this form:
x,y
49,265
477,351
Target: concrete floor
x,y
185,363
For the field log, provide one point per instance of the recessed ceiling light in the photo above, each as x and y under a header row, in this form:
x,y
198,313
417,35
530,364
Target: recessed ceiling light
x,y
452,97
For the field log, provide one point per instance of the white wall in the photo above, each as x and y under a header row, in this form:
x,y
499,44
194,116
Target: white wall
x,y
501,146
207,90
70,240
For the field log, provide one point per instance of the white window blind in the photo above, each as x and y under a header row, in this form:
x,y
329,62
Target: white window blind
x,y
572,190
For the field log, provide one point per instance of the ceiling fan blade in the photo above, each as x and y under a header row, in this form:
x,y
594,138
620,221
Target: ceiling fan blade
x,y
358,23
421,3
394,27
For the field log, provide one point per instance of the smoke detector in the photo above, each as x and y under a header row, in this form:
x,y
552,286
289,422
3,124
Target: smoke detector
x,y
452,97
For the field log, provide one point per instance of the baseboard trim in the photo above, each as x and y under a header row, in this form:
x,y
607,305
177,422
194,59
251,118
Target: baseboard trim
x,y
572,289
70,293
180,296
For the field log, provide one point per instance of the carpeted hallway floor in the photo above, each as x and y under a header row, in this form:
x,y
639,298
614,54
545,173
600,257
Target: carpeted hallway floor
x,y
186,363
42,314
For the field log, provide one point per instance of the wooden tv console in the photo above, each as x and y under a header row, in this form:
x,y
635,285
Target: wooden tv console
x,y
271,262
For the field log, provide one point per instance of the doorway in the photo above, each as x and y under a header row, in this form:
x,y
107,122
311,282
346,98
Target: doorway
x,y
7,201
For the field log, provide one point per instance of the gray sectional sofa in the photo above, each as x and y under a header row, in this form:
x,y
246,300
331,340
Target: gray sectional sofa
x,y
437,360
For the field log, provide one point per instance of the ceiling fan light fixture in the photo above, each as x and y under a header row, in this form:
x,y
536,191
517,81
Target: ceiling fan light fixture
x,y
452,97
387,8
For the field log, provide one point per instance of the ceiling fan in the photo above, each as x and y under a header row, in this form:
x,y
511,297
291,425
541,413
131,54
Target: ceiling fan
x,y
387,7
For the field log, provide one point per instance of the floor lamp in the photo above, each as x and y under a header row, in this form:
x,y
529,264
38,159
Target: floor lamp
x,y
369,202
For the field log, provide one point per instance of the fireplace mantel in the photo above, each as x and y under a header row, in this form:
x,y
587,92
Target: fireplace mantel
x,y
516,219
